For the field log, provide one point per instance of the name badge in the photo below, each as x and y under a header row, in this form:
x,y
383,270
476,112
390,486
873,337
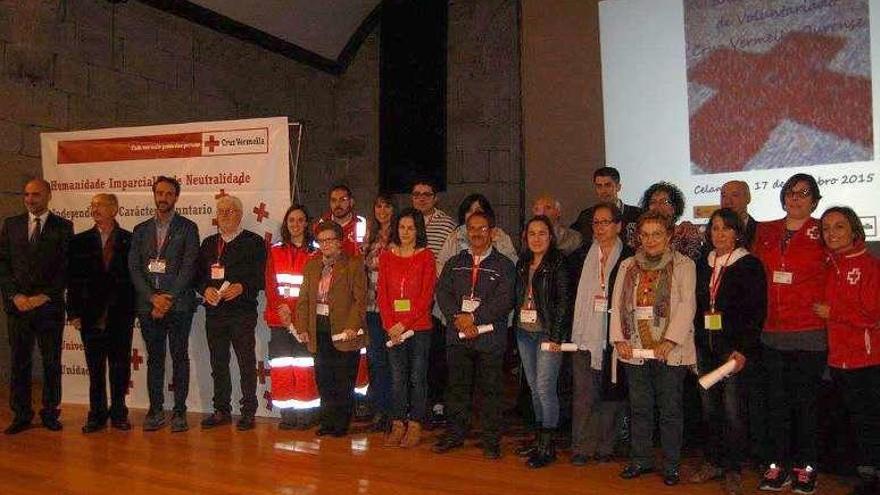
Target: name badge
x,y
469,304
600,304
218,272
323,309
156,265
402,305
782,277
528,315
712,321
644,312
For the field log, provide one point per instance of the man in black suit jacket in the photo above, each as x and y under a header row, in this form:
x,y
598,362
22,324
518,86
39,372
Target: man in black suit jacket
x,y
33,276
735,195
101,306
606,183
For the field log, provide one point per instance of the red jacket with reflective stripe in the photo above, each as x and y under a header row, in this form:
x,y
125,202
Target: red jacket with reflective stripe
x,y
412,279
790,306
355,233
285,263
853,293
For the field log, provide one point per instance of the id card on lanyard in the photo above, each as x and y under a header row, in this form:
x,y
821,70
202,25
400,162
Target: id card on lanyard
x,y
158,264
471,303
712,318
529,314
403,304
218,272
600,301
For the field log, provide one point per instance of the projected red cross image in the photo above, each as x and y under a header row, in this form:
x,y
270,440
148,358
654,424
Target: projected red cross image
x,y
771,86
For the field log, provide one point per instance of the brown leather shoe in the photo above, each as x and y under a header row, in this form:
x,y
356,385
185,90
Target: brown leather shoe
x,y
413,435
398,429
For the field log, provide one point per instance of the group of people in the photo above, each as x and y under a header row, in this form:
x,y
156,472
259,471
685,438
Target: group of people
x,y
634,297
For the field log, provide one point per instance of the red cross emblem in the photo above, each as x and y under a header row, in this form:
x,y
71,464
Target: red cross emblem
x,y
211,143
813,232
755,92
268,396
261,212
221,194
853,276
136,359
262,372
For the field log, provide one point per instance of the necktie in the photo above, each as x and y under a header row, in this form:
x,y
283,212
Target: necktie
x,y
108,251
35,235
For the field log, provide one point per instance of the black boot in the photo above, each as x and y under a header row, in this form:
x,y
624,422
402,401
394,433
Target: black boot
x,y
545,452
527,448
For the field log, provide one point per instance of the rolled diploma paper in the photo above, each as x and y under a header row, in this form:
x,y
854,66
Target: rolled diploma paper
x,y
644,354
223,287
341,336
481,329
295,333
564,347
718,374
405,335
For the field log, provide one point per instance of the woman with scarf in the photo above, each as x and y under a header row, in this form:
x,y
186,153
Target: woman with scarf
x,y
598,400
330,319
851,309
731,306
378,238
652,328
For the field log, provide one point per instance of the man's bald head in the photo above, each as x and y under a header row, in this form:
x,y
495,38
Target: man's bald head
x,y
735,195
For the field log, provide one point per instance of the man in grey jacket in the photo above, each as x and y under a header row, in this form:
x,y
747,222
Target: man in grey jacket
x,y
162,262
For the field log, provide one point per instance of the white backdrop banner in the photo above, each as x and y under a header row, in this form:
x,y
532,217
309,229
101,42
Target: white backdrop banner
x,y
247,158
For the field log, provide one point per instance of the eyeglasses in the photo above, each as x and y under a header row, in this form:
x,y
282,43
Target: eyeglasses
x,y
425,195
326,240
798,193
478,230
652,235
226,211
602,223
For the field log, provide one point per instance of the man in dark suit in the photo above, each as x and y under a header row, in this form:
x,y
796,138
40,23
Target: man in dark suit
x,y
101,306
33,276
606,183
162,262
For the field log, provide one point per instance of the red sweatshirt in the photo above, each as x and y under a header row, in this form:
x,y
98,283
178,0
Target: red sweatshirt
x,y
411,279
790,305
354,232
284,277
853,293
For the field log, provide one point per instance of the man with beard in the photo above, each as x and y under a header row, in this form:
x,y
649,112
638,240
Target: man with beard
x,y
342,212
162,262
33,275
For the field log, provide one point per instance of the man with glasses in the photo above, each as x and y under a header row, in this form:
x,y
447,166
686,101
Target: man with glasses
x,y
354,227
606,184
475,293
438,226
162,262
232,265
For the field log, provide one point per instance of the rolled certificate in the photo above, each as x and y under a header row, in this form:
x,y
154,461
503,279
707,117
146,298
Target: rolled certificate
x,y
564,347
336,337
405,335
644,354
481,329
223,287
718,374
299,339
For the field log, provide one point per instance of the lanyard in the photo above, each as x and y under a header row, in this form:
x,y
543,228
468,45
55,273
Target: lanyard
x,y
530,296
221,246
475,274
324,286
161,240
602,260
715,282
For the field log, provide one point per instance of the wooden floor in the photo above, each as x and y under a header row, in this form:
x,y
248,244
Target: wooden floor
x,y
267,460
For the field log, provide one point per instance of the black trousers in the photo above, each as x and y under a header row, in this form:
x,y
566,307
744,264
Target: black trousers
x,y
335,373
472,374
234,330
43,326
437,370
793,379
171,332
861,394
108,348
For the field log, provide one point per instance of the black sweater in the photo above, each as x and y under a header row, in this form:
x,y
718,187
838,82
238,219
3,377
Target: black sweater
x,y
742,302
244,261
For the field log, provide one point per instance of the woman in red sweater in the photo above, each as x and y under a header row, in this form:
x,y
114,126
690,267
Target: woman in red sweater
x,y
407,273
794,341
852,312
294,391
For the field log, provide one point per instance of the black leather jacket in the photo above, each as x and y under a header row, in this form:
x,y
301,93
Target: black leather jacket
x,y
551,292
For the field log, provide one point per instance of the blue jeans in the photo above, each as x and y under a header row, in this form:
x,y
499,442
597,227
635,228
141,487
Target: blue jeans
x,y
724,413
379,393
542,371
173,328
409,371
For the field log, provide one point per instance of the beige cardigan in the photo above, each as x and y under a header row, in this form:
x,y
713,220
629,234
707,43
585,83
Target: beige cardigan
x,y
683,306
